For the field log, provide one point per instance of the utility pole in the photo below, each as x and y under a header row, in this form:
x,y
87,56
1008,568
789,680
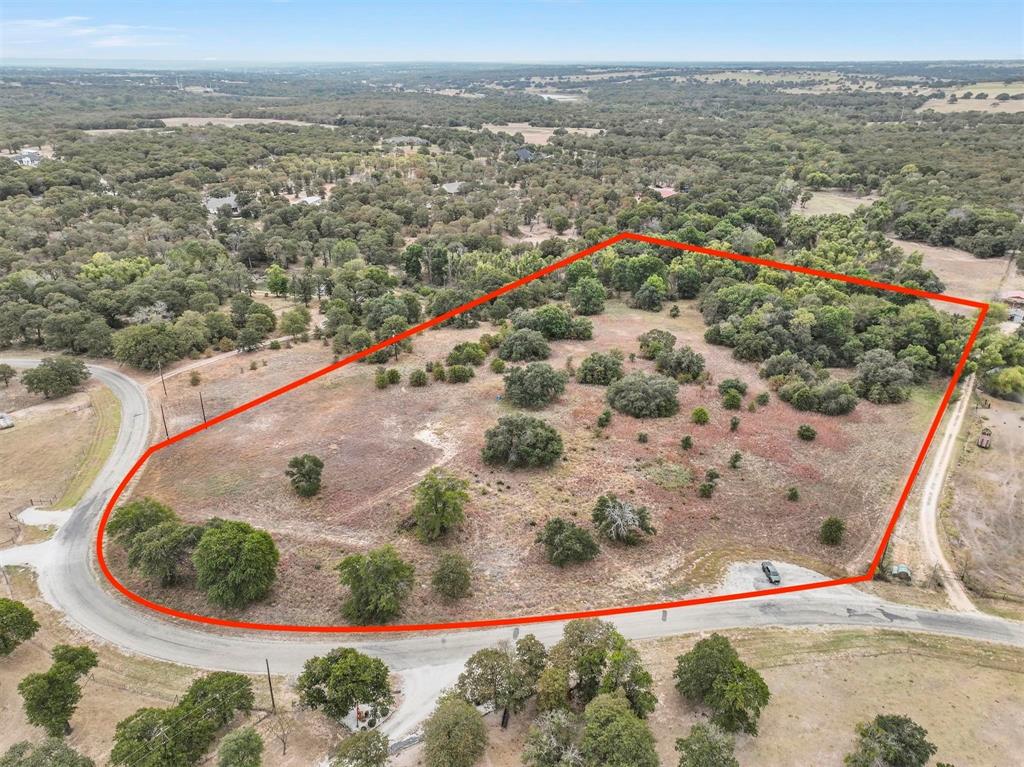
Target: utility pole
x,y
270,684
202,405
160,367
164,417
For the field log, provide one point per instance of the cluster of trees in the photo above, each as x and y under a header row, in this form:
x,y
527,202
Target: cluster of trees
x,y
233,562
53,377
51,697
181,734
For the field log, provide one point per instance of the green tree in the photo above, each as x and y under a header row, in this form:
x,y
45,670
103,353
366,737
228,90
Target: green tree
x,y
883,379
455,734
55,377
521,441
534,385
600,368
700,416
236,564
890,741
587,296
683,364
277,280
524,345
654,343
367,748
625,673
644,396
295,322
52,752
697,670
241,748
51,697
219,695
499,677
341,680
7,373
17,625
467,353
159,551
440,499
378,583
135,517
452,578
806,433
613,736
566,542
305,471
737,697
147,346
706,746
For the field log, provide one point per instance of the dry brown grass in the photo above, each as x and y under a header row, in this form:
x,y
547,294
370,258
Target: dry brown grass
x,y
535,134
374,449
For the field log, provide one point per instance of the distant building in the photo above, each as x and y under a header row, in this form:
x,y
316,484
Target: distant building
x,y
6,422
406,141
1014,300
525,155
665,191
313,199
453,187
27,158
214,204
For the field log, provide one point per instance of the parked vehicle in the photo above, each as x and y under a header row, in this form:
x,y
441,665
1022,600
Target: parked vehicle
x,y
985,440
771,573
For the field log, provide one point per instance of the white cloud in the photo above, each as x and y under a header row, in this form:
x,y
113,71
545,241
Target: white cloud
x,y
58,33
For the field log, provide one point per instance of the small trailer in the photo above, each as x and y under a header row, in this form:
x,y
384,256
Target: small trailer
x,y
985,440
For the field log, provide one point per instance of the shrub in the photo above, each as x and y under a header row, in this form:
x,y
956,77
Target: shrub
x,y
440,499
459,374
644,396
700,416
604,419
706,746
832,530
467,353
551,320
418,377
521,441
451,577
712,475
792,494
683,364
378,584
566,542
706,489
534,385
600,368
587,296
497,365
642,438
735,459
524,345
763,398
732,400
620,520
380,379
674,311
732,384
734,423
655,342
193,378
686,442
806,433
305,471
274,346
439,372
394,376
236,564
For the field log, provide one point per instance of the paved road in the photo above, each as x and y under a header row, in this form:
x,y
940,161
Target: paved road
x,y
928,520
427,662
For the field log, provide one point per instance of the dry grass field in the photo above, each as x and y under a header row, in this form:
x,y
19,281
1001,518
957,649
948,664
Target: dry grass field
x,y
54,451
982,506
377,444
533,134
825,202
969,696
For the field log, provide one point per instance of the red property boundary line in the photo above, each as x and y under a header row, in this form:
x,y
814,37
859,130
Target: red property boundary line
x,y
982,311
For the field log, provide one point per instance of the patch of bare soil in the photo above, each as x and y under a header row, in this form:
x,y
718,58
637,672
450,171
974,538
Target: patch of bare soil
x,y
969,696
984,503
536,233
964,275
377,444
826,202
533,134
990,105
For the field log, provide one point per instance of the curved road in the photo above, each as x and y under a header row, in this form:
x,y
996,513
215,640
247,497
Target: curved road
x,y
426,661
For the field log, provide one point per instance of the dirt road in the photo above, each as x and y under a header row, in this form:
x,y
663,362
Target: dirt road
x,y
928,520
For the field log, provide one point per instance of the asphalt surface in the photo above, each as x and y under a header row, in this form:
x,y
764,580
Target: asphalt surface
x,y
427,662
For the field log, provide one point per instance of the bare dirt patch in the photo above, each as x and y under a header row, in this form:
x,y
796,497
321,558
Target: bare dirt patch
x,y
184,122
536,134
964,275
374,451
967,695
824,203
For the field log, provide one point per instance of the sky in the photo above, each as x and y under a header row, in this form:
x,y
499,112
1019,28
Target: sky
x,y
278,31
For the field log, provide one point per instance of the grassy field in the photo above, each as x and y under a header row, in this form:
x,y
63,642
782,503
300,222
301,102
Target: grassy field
x,y
377,444
107,413
969,696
